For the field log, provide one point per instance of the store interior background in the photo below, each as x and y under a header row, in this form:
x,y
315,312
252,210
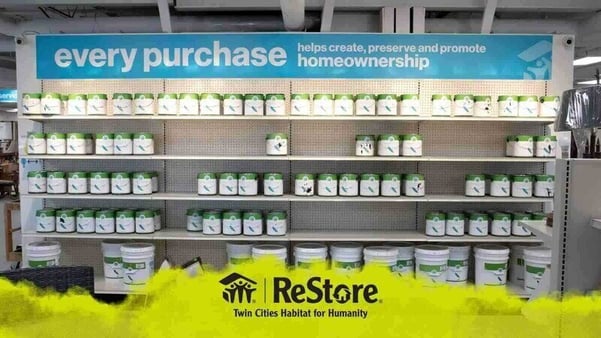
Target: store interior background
x,y
581,18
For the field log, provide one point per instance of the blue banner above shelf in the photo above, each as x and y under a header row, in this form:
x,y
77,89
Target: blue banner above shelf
x,y
294,55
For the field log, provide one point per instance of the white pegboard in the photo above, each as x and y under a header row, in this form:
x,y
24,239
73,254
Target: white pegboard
x,y
104,87
337,138
215,137
477,87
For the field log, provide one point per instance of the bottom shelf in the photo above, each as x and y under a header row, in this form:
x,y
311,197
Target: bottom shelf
x,y
101,286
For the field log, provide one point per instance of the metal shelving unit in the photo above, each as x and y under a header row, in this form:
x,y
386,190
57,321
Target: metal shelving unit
x,y
454,146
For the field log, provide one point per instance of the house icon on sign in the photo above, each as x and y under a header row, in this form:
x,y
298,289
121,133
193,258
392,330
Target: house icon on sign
x,y
238,289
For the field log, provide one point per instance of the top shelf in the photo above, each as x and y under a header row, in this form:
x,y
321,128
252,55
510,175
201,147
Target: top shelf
x,y
544,120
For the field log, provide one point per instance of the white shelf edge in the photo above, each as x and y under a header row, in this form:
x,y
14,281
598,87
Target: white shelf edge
x,y
285,118
293,158
293,236
165,234
292,198
543,232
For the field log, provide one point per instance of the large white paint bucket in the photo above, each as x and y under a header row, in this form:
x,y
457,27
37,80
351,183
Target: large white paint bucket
x,y
491,264
459,255
346,256
238,252
43,254
270,250
307,255
536,261
431,263
138,263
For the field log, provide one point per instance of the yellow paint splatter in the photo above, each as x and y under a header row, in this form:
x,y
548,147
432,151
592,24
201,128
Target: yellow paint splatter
x,y
175,305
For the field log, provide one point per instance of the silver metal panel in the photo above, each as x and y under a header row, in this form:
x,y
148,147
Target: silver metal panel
x,y
582,249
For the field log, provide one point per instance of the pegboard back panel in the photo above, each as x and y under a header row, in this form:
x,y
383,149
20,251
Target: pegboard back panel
x,y
353,167
354,86
319,138
108,87
462,138
449,177
182,175
493,88
109,126
424,208
353,216
176,210
214,137
224,86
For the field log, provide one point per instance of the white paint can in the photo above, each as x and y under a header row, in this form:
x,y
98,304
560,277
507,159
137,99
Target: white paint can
x,y
211,222
120,183
521,185
273,184
276,144
125,221
412,145
254,104
56,144
304,185
76,104
369,185
389,145
478,224
142,183
501,224
463,105
144,104
483,106
96,104
207,184
410,105
252,223
327,185
112,260
228,184
124,144
527,106
500,185
77,182
441,105
348,185
85,221
435,224
344,104
414,185
167,104
508,106
232,223
105,144
210,104
544,185
36,143
43,254
391,185
386,104
233,104
31,103
248,184
37,182
76,143
545,146
275,104
549,106
524,146
346,256
455,224
458,266
45,220
365,104
100,182
105,221
56,182
122,104
365,145
143,144
188,104
144,221
323,104
308,255
516,228
276,223
51,104
475,185
194,220
300,104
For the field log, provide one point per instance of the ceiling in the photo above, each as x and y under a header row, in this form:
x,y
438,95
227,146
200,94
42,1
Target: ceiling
x,y
579,17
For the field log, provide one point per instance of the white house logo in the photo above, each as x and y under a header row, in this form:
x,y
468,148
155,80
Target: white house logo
x,y
538,57
238,289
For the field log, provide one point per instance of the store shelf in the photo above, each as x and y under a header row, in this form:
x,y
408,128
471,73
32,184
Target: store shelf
x,y
401,235
544,120
113,287
165,234
173,196
596,223
297,158
543,232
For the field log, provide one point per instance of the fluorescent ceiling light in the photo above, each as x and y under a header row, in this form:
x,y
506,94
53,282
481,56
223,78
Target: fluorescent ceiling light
x,y
587,60
591,82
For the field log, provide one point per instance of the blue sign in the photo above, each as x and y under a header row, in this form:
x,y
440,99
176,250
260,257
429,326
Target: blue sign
x,y
8,95
295,55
